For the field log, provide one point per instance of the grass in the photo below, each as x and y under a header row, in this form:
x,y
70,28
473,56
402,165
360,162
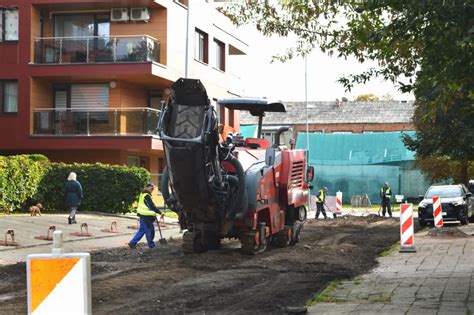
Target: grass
x,y
357,281
325,295
389,250
171,214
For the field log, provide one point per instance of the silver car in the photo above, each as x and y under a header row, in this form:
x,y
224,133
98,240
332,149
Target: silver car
x,y
456,203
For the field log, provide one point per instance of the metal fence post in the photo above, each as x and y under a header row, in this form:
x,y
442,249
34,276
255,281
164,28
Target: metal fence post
x,y
87,123
61,50
115,122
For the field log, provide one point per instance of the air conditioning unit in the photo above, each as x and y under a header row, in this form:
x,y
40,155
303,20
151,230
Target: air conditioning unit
x,y
140,14
119,15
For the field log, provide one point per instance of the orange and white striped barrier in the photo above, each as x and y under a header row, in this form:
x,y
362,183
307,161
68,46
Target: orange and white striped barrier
x,y
437,212
339,202
59,283
407,238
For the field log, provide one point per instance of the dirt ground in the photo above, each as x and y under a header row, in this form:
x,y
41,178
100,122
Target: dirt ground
x,y
164,280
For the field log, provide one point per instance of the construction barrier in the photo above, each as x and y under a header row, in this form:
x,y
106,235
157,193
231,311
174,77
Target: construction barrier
x,y
59,283
339,202
49,234
437,212
407,238
136,226
6,242
113,228
84,231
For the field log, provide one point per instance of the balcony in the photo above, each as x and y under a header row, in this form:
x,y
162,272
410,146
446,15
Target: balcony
x,y
96,49
137,121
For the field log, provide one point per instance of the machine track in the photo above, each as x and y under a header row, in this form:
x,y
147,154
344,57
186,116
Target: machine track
x,y
250,244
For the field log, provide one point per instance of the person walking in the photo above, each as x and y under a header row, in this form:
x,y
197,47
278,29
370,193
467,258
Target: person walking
x,y
147,211
73,196
320,202
386,195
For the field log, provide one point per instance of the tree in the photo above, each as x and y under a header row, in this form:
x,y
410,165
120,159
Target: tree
x,y
422,46
369,97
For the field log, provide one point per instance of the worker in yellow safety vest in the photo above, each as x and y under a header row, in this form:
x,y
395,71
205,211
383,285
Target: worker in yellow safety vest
x,y
320,201
386,195
147,211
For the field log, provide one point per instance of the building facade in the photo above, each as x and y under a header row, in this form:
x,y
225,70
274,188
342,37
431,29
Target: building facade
x,y
82,80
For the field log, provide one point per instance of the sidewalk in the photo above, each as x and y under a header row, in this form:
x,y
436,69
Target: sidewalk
x,y
437,279
27,227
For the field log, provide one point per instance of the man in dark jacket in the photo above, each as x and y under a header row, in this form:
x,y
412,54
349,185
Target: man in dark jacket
x,y
386,195
73,196
147,211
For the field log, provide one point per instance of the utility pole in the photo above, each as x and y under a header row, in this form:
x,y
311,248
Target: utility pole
x,y
187,41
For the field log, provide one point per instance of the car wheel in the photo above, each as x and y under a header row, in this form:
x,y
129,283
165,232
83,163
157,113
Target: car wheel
x,y
465,219
422,223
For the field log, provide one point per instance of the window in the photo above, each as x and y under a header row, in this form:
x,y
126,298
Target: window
x,y
220,55
9,24
154,99
200,46
9,96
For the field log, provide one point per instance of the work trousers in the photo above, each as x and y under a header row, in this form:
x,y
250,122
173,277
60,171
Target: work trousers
x,y
72,214
386,207
320,208
146,228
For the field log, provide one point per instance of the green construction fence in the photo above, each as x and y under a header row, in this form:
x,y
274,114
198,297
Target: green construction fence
x,y
359,164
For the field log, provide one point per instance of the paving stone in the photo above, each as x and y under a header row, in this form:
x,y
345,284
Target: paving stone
x,y
394,309
439,277
452,311
417,310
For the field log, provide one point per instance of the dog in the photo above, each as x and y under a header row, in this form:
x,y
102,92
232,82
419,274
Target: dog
x,y
36,210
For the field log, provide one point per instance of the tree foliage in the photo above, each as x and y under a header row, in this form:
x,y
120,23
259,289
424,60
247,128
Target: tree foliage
x,y
369,97
423,46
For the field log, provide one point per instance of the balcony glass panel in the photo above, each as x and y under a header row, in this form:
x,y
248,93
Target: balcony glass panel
x,y
96,49
96,121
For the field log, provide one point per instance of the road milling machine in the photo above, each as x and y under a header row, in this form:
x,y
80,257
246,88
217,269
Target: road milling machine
x,y
248,189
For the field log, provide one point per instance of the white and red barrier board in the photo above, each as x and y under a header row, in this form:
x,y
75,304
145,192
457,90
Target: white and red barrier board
x,y
339,202
406,225
59,284
437,212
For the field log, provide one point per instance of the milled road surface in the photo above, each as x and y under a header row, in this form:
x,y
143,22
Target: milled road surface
x,y
164,280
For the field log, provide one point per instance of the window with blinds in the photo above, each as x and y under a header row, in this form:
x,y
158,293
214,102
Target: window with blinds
x,y
90,96
84,98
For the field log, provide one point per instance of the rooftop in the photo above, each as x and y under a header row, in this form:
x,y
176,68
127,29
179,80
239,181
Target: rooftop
x,y
333,113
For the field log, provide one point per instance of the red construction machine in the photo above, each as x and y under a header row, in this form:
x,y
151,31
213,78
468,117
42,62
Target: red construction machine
x,y
247,189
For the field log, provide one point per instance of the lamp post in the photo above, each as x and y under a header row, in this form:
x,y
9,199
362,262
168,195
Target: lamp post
x,y
307,121
187,41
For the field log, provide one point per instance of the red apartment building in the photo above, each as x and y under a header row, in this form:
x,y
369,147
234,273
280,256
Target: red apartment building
x,y
82,80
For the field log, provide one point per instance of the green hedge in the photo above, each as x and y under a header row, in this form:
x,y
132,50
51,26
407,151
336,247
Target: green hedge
x,y
107,188
26,180
20,176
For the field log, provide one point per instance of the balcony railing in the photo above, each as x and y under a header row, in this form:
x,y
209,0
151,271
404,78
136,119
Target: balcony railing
x,y
96,121
65,50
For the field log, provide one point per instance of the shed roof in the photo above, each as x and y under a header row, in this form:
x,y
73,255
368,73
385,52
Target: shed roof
x,y
331,113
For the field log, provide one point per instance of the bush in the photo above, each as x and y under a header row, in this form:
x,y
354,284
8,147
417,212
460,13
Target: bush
x,y
19,179
107,188
28,179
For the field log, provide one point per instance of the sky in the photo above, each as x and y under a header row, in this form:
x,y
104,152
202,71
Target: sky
x,y
286,81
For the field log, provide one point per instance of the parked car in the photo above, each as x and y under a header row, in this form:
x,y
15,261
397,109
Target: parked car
x,y
456,204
